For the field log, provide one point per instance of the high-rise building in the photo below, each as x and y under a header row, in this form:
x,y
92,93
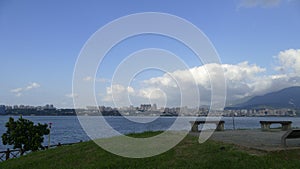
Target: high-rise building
x,y
145,107
154,107
2,109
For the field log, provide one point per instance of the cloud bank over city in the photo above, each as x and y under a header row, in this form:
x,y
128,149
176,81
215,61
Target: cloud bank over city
x,y
242,80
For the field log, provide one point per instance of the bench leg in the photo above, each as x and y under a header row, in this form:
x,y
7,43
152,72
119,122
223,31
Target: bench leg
x,y
286,127
195,128
265,127
220,127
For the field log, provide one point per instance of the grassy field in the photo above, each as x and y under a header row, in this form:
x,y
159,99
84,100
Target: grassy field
x,y
187,154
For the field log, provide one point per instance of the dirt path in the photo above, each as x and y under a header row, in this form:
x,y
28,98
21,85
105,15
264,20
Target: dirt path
x,y
255,139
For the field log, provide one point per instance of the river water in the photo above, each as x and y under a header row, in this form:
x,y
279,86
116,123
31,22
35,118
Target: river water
x,y
67,129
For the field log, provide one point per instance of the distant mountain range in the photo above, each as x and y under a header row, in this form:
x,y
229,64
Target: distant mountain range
x,y
285,98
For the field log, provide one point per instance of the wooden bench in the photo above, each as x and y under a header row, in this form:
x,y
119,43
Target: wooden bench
x,y
195,124
285,125
291,134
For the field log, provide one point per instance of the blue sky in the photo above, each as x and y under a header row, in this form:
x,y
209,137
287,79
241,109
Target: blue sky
x,y
41,40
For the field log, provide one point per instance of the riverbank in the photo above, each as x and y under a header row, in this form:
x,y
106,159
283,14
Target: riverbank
x,y
68,129
187,154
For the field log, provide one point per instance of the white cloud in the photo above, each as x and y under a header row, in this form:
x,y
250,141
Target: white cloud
x,y
103,80
71,95
91,79
88,78
240,78
201,75
164,80
151,93
258,3
19,91
118,94
18,94
32,86
289,61
130,89
242,71
117,88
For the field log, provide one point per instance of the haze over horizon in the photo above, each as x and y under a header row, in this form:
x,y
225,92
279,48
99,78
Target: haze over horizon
x,y
257,42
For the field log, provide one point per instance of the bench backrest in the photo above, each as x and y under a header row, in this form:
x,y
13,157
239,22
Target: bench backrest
x,y
203,121
270,122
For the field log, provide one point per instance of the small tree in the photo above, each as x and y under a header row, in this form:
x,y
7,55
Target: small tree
x,y
23,134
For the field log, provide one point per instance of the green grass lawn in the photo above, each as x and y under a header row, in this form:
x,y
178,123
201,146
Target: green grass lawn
x,y
187,154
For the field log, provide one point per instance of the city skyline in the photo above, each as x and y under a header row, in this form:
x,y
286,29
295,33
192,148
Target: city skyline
x,y
257,42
